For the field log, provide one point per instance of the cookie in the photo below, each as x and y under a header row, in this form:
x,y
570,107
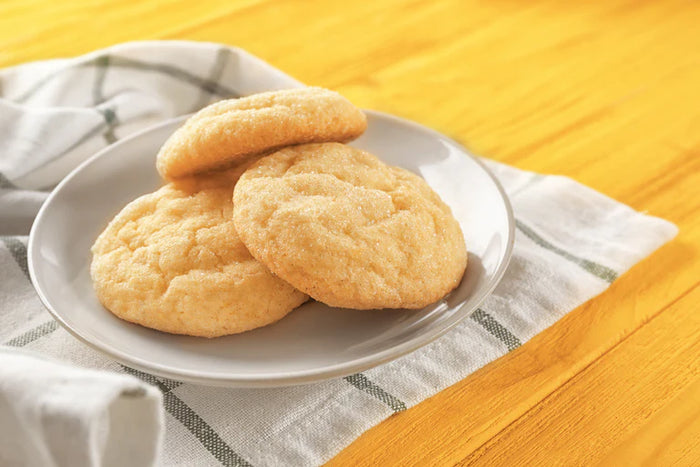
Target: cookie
x,y
228,131
171,260
348,230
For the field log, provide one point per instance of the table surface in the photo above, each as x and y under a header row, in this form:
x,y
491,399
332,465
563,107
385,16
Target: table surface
x,y
605,92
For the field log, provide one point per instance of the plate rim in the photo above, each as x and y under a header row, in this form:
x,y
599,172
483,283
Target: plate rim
x,y
280,379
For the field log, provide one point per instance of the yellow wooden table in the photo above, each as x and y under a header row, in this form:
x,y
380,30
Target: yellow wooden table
x,y
605,92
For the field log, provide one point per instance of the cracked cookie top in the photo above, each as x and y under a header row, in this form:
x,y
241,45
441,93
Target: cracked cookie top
x,y
172,260
348,230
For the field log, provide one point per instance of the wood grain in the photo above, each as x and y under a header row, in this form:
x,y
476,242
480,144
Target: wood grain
x,y
651,380
604,92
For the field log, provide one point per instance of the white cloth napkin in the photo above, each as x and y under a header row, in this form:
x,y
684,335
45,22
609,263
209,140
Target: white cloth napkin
x,y
55,414
571,243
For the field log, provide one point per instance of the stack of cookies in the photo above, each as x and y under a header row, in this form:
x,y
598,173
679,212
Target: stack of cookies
x,y
265,207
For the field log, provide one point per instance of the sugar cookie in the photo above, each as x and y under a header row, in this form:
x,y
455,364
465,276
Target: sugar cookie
x,y
171,260
223,133
338,224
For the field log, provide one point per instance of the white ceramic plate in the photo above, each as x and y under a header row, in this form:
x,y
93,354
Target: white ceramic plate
x,y
312,343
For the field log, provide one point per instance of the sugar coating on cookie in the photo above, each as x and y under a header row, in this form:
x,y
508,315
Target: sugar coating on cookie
x,y
227,131
349,230
171,260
